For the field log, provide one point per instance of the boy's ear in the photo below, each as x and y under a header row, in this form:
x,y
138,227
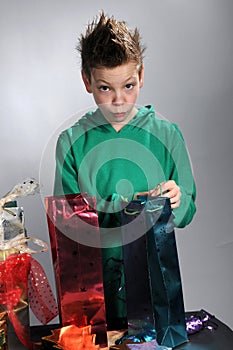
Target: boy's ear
x,y
86,83
141,77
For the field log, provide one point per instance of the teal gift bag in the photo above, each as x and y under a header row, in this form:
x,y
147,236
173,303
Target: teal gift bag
x,y
153,285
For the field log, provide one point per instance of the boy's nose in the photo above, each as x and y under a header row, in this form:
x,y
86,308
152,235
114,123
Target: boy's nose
x,y
117,98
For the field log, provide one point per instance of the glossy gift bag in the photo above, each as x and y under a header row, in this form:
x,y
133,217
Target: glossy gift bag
x,y
152,276
76,252
14,273
23,283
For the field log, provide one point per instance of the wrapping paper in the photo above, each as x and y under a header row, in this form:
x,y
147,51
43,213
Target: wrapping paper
x,y
200,320
12,222
11,217
11,227
82,336
77,338
153,281
78,267
151,345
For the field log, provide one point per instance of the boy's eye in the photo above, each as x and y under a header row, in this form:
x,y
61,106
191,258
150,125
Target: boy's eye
x,y
104,88
129,86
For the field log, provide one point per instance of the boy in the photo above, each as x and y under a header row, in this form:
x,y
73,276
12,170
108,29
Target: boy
x,y
120,151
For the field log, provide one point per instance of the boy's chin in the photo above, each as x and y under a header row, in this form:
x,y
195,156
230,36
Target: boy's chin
x,y
118,118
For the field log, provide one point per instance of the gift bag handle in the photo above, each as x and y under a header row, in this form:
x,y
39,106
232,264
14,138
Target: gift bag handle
x,y
127,212
85,206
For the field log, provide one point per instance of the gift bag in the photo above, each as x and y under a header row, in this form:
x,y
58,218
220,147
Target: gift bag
x,y
13,275
75,243
23,282
152,275
3,331
14,271
21,277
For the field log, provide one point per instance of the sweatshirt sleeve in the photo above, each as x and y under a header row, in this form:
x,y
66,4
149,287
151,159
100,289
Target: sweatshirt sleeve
x,y
66,174
183,175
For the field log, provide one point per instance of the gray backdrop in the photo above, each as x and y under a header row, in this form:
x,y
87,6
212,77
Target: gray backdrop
x,y
189,80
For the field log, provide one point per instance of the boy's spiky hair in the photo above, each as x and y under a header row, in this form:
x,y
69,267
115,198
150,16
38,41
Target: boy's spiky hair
x,y
109,43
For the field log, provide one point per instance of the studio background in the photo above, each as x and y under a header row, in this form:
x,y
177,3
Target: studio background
x,y
188,79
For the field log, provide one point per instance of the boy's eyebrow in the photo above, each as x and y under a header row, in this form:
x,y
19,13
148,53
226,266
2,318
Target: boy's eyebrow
x,y
101,81
132,77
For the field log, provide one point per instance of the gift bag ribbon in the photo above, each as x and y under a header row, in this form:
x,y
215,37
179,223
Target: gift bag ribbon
x,y
21,273
11,298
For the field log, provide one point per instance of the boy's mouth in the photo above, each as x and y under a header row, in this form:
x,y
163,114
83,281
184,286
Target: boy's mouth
x,y
119,114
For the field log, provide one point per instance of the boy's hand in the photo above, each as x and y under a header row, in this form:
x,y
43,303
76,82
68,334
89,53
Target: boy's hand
x,y
165,189
168,189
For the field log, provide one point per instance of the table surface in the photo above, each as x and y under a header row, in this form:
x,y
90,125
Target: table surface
x,y
220,338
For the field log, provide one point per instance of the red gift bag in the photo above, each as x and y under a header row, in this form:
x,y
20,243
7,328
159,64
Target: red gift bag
x,y
75,244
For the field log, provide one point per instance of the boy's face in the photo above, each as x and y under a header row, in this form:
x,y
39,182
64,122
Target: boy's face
x,y
115,91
